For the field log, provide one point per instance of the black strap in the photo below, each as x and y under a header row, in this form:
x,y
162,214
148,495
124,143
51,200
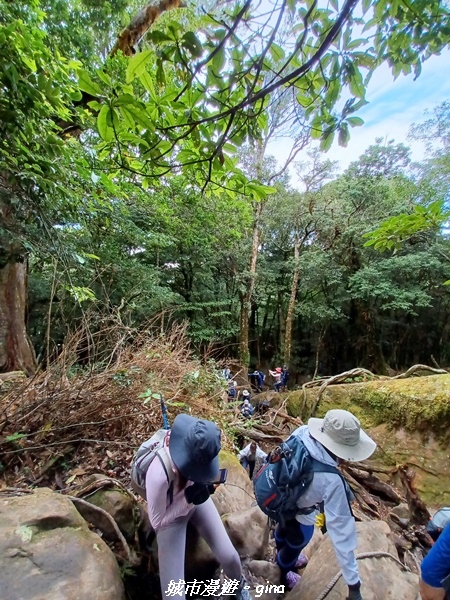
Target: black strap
x,y
170,490
320,467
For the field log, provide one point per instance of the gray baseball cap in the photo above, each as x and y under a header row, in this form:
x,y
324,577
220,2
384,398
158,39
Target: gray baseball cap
x,y
194,445
340,432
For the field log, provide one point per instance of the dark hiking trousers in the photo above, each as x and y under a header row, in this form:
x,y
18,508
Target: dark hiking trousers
x,y
290,539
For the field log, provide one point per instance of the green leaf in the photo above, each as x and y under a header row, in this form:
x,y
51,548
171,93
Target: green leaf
x,y
30,62
277,52
303,100
127,117
160,75
104,129
95,105
356,84
76,95
355,121
192,43
86,84
15,436
260,191
327,139
147,82
157,37
164,146
139,115
124,100
316,128
136,66
218,61
356,43
344,135
103,76
447,282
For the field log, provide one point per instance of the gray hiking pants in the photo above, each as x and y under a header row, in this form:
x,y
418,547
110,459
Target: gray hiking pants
x,y
172,545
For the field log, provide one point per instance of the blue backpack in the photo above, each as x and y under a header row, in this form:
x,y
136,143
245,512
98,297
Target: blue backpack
x,y
279,484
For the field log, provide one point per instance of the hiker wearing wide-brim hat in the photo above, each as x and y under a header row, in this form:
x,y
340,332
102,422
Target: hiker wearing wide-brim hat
x,y
337,436
180,497
340,432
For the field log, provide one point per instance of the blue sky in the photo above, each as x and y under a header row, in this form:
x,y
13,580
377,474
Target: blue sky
x,y
393,107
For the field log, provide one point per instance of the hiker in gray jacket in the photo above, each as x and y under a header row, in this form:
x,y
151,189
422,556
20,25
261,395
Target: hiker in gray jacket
x,y
337,436
248,455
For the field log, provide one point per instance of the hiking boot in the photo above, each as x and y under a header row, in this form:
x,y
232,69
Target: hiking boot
x,y
302,561
242,593
292,579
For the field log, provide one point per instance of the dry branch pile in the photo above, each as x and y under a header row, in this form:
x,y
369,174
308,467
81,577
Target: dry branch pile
x,y
93,419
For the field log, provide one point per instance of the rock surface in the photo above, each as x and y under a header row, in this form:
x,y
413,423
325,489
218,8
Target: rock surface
x,y
117,503
249,532
382,578
47,552
237,494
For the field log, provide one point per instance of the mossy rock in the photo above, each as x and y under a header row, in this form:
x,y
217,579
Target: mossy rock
x,y
417,403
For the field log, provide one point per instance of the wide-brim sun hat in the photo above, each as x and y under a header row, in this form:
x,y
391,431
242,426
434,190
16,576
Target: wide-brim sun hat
x,y
246,393
194,446
340,432
278,369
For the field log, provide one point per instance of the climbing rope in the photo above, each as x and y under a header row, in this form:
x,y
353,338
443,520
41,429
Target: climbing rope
x,y
336,578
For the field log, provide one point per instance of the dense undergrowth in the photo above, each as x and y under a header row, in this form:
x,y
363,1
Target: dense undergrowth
x,y
70,421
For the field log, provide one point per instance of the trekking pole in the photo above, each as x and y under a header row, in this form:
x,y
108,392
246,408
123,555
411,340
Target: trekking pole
x,y
164,414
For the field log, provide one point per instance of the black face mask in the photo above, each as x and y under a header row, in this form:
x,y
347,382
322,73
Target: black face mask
x,y
197,493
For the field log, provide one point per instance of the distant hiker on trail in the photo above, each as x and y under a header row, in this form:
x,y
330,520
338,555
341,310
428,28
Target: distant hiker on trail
x,y
248,456
277,376
257,380
246,395
192,446
247,409
284,378
231,392
226,373
435,570
337,436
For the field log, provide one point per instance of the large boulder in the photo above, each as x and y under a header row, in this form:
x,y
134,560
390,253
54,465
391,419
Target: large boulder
x,y
47,552
237,494
249,532
383,578
117,502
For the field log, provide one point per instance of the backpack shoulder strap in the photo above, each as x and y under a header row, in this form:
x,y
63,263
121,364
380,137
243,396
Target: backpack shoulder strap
x,y
167,466
320,467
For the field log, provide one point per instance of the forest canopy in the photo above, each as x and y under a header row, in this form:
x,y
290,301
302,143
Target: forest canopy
x,y
136,182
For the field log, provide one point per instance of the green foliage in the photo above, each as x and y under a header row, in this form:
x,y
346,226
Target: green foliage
x,y
151,208
393,232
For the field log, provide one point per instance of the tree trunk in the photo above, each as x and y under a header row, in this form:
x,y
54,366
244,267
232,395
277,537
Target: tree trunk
x,y
291,305
131,35
16,350
244,355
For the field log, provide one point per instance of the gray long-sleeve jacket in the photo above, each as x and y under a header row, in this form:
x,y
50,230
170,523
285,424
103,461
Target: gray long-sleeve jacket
x,y
329,488
246,453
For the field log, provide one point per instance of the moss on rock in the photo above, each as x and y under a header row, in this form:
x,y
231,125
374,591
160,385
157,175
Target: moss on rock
x,y
417,404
